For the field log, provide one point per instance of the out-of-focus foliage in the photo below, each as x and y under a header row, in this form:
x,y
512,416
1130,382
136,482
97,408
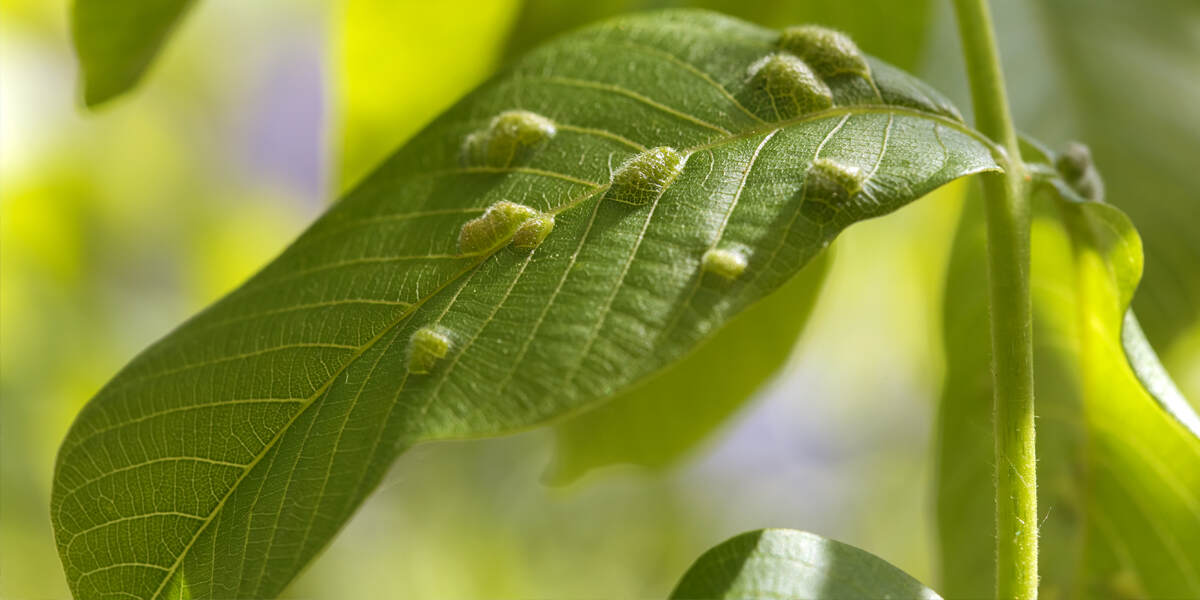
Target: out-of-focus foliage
x,y
895,29
116,42
1121,77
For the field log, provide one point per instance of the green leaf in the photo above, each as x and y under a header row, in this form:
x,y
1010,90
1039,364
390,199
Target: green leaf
x,y
578,223
897,30
635,427
1118,452
782,563
659,421
117,41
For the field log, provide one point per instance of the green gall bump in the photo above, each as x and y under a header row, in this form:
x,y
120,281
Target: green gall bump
x,y
787,87
830,53
426,347
829,178
828,187
531,233
727,263
644,178
510,138
1077,169
494,227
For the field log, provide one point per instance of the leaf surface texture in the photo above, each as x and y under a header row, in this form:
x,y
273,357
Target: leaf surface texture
x,y
581,221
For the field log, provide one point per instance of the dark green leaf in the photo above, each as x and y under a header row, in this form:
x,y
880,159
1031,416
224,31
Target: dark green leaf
x,y
1118,452
772,564
117,41
657,422
425,305
634,428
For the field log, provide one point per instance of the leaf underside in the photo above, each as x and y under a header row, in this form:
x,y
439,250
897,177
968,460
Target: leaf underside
x,y
770,564
225,456
657,423
1118,452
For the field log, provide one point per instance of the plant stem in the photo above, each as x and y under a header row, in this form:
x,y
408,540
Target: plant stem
x,y
1008,223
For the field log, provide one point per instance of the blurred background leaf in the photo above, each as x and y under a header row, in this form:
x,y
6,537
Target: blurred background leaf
x,y
116,42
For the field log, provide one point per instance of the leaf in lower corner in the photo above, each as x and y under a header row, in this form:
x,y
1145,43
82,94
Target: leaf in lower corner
x,y
781,563
118,41
575,225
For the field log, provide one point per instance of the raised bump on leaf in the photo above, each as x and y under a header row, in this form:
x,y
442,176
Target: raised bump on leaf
x,y
511,137
828,187
643,178
426,347
494,227
727,263
530,233
828,52
1076,167
787,87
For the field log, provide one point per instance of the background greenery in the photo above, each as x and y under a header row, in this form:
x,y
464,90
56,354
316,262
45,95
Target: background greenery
x,y
118,225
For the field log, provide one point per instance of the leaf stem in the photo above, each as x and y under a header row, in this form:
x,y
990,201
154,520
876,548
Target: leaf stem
x,y
1008,224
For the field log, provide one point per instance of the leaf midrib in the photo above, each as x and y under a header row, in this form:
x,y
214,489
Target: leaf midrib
x,y
763,129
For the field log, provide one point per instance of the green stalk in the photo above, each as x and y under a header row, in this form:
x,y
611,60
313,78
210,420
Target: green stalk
x,y
1008,223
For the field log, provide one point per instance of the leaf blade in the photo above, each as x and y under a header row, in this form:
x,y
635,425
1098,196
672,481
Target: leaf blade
x,y
659,421
1109,445
236,447
783,563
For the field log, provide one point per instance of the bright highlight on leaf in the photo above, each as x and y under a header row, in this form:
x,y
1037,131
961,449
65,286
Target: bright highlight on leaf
x,y
403,316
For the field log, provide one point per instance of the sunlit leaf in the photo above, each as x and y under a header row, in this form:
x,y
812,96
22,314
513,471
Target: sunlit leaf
x,y
1118,452
781,563
117,41
578,223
